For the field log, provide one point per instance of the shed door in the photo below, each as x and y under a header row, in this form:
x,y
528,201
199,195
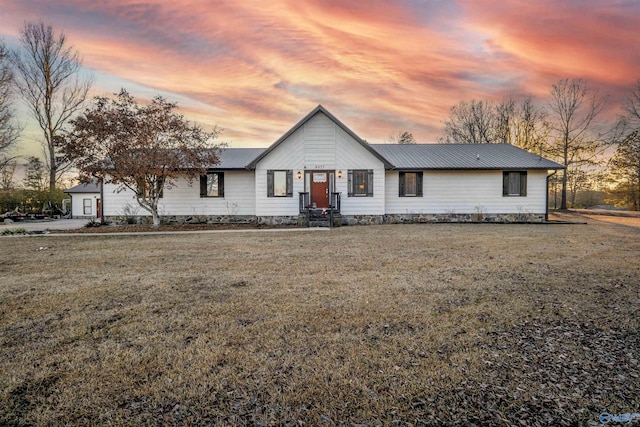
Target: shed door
x,y
320,189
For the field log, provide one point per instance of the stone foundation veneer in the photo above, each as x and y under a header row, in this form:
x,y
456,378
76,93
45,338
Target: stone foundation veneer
x,y
470,217
205,219
299,220
183,219
279,220
362,219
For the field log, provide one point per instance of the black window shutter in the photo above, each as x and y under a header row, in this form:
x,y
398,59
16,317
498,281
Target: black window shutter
x,y
221,184
505,183
370,183
269,183
419,184
401,184
289,183
523,183
203,185
350,183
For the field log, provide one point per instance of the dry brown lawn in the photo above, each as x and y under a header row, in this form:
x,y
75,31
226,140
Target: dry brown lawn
x,y
438,324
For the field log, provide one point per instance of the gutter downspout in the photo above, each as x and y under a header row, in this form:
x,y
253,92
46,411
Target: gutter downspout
x,y
546,208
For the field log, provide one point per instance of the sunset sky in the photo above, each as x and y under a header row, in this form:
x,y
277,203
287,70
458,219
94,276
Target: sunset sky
x,y
257,67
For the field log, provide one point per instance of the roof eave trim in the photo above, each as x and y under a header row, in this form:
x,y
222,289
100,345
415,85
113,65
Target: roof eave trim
x,y
497,168
239,168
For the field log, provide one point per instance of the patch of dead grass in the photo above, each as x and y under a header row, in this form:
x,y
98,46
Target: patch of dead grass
x,y
378,325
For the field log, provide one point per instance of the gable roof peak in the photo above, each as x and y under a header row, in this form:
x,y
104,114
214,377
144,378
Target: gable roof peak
x,y
319,109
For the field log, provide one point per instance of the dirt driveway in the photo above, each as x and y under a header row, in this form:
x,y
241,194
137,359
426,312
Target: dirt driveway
x,y
631,219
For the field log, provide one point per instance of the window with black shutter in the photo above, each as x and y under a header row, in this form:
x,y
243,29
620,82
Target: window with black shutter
x,y
410,184
212,184
514,184
279,183
360,183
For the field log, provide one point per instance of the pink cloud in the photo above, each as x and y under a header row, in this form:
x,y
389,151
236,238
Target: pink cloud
x,y
553,40
255,68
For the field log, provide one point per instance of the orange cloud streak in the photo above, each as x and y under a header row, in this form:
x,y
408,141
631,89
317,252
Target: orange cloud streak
x,y
256,67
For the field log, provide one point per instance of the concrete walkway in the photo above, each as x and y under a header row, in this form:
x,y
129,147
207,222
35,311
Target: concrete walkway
x,y
182,232
75,224
55,224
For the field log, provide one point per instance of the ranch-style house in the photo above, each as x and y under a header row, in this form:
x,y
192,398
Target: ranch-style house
x,y
321,172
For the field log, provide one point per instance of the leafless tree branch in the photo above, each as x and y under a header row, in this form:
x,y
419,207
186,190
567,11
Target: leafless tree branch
x,y
47,71
9,130
576,134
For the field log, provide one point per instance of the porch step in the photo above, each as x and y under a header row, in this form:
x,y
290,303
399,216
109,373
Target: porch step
x,y
319,223
318,219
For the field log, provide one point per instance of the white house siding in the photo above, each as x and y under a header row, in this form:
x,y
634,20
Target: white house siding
x,y
77,205
288,155
184,198
351,155
462,192
319,144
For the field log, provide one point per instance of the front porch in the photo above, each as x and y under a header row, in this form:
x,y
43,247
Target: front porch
x,y
311,215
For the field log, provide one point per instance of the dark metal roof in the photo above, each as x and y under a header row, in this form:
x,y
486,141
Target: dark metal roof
x,y
462,156
237,158
91,187
317,110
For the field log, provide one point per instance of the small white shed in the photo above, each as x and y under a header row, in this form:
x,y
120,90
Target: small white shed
x,y
86,200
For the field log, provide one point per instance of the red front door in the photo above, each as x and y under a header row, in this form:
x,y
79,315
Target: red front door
x,y
320,189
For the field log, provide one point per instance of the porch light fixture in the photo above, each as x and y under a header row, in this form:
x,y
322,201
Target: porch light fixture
x,y
339,174
299,175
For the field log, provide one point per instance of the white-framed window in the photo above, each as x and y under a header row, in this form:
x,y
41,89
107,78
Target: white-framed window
x,y
87,206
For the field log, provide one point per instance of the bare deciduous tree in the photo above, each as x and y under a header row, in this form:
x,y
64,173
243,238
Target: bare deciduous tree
x,y
9,131
505,115
513,121
48,79
577,181
576,137
6,175
471,122
34,174
402,137
529,129
624,166
140,148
